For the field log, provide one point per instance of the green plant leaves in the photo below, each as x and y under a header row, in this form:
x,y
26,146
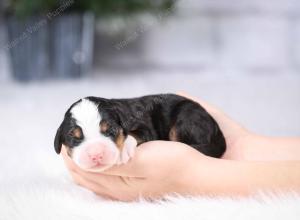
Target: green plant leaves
x,y
26,8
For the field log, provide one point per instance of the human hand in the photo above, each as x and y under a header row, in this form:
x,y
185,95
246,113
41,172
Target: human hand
x,y
158,168
236,136
162,167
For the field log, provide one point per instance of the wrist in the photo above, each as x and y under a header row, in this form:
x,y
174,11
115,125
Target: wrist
x,y
216,177
199,178
237,146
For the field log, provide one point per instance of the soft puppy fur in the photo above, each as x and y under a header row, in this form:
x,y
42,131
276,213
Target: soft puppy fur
x,y
99,132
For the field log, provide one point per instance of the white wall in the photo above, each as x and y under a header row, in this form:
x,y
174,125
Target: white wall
x,y
248,35
251,35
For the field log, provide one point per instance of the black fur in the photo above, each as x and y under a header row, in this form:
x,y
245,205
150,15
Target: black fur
x,y
151,118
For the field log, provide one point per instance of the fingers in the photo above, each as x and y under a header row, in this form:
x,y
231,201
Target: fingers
x,y
139,165
68,161
81,176
92,186
133,168
144,162
111,187
95,182
223,120
207,106
186,95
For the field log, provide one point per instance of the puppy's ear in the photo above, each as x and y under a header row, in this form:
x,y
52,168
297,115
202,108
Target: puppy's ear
x,y
58,140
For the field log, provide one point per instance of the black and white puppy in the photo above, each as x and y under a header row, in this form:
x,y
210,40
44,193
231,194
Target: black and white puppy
x,y
99,133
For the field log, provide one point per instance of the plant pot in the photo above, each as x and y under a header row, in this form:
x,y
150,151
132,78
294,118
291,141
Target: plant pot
x,y
29,52
71,43
60,48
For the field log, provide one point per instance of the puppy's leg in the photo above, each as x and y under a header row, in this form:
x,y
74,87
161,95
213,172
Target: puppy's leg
x,y
195,127
139,135
125,143
128,149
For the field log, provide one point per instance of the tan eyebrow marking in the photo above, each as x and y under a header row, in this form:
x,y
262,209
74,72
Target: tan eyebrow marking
x,y
77,133
120,138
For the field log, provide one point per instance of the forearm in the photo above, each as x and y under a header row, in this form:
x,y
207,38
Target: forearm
x,y
257,147
240,178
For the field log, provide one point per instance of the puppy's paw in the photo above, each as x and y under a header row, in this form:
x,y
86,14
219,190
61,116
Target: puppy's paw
x,y
128,150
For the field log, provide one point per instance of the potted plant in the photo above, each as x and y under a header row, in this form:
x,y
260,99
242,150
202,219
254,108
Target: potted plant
x,y
54,38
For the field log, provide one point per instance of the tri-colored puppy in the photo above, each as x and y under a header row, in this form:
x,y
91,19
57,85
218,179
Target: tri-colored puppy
x,y
100,133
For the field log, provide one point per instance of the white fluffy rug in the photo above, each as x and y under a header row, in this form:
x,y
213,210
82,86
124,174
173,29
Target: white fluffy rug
x,y
34,183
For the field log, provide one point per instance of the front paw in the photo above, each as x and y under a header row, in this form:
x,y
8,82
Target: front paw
x,y
128,150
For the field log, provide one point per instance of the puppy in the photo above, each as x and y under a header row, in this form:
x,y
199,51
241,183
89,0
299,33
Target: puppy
x,y
99,133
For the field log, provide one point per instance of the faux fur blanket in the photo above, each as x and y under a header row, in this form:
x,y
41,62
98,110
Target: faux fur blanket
x,y
47,196
34,183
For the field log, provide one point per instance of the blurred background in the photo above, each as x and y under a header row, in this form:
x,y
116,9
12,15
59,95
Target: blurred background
x,y
242,56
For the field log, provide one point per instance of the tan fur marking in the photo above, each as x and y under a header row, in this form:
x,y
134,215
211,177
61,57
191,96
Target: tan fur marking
x,y
104,126
77,133
120,139
173,134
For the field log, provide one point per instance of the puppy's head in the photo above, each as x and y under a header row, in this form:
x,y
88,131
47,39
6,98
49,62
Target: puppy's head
x,y
90,139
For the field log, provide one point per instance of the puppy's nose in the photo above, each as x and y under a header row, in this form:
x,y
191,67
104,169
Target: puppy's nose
x,y
96,157
95,152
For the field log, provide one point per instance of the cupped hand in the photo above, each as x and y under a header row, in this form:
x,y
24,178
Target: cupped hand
x,y
158,168
236,136
164,167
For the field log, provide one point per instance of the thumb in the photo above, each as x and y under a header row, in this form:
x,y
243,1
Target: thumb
x,y
205,105
146,156
135,167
